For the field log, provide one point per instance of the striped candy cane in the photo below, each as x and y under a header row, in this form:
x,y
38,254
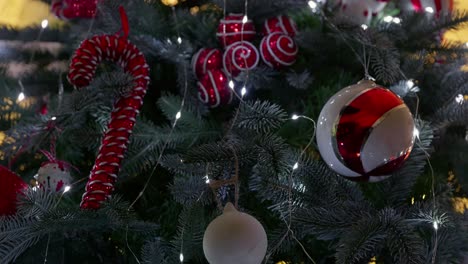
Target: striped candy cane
x,y
83,66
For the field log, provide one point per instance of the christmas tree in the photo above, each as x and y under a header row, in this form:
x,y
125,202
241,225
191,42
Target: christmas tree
x,y
255,131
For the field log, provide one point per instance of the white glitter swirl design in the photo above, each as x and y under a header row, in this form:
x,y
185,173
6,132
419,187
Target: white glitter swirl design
x,y
290,50
239,52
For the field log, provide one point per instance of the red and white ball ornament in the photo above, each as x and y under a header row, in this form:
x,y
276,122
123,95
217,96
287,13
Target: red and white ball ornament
x,y
234,28
437,7
53,177
11,185
365,132
206,59
68,9
234,238
356,11
376,6
240,56
278,50
282,24
213,89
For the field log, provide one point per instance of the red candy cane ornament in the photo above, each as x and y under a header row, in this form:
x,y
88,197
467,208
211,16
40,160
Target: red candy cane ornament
x,y
87,57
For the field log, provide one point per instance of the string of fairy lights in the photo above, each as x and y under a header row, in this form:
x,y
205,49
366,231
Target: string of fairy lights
x,y
436,222
315,7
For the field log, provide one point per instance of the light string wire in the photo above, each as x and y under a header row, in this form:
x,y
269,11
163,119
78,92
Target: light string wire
x,y
44,25
235,180
128,245
177,117
47,249
366,63
166,143
216,184
290,187
428,160
362,59
60,100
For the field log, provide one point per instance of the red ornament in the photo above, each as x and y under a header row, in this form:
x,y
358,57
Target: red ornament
x,y
365,132
213,89
10,186
278,50
68,9
356,11
233,29
206,59
282,24
123,117
436,7
240,56
376,6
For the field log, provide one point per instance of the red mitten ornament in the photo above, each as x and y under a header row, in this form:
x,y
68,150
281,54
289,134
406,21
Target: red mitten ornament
x,y
213,89
68,9
437,7
206,59
87,57
233,29
278,50
240,56
365,132
282,24
10,186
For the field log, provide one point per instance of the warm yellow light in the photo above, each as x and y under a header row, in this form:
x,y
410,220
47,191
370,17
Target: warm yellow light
x,y
460,204
170,2
25,13
2,137
461,33
373,260
194,10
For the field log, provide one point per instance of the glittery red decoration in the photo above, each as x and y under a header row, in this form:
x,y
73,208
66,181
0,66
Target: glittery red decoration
x,y
240,56
206,59
114,143
213,89
10,186
68,9
278,50
231,29
282,24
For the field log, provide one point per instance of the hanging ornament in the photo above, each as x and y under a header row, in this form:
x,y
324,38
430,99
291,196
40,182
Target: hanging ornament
x,y
206,59
234,238
213,89
68,9
114,143
356,11
365,132
234,28
278,50
54,177
282,24
437,7
376,6
240,56
10,186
